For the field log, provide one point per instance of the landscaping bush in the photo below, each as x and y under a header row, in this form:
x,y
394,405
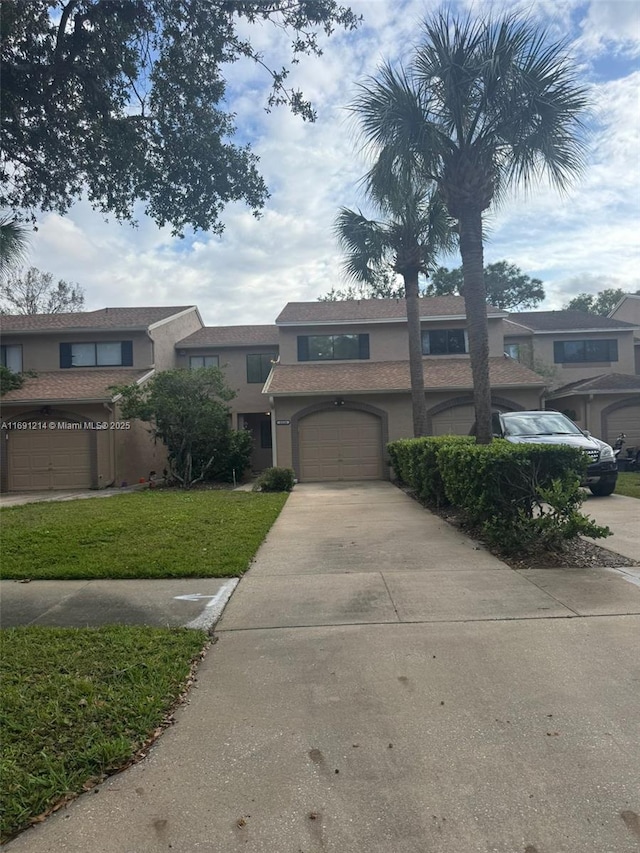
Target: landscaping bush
x,y
276,480
520,497
415,463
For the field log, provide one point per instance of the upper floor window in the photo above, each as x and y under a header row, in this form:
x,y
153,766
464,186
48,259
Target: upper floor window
x,y
444,342
258,366
513,351
576,352
332,347
12,357
97,354
196,361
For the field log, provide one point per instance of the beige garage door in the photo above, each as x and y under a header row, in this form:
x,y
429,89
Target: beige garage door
x,y
340,444
625,420
48,459
455,421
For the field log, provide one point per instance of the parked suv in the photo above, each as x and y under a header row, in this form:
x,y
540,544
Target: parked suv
x,y
545,427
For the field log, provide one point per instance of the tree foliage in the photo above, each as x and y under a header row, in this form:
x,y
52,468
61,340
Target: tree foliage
x,y
506,286
485,104
126,99
187,410
414,228
13,244
35,292
9,380
601,303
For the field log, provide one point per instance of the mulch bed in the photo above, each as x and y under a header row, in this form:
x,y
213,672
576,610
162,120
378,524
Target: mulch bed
x,y
575,554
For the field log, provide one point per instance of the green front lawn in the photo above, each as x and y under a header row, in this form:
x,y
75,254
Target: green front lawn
x,y
150,534
76,704
628,484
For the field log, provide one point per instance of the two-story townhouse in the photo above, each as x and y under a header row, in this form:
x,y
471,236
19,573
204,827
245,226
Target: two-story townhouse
x,y
62,428
590,365
341,388
245,354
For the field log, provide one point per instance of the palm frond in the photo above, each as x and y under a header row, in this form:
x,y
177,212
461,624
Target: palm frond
x,y
13,243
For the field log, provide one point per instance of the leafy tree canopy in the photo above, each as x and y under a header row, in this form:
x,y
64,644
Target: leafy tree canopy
x,y
187,410
126,99
506,285
601,303
35,292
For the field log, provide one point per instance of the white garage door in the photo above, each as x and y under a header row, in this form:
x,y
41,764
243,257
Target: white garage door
x,y
455,421
625,420
48,459
340,444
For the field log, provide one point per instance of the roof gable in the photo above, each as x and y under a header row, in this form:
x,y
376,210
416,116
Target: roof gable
x,y
102,319
566,321
372,311
231,336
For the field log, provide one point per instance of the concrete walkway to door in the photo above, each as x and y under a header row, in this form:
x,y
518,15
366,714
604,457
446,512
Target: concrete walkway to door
x,y
382,684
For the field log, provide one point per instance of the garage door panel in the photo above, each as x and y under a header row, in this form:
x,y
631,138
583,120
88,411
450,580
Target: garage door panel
x,y
455,421
626,420
48,460
340,445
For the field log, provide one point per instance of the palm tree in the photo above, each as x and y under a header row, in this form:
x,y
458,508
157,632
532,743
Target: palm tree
x,y
13,244
414,229
485,105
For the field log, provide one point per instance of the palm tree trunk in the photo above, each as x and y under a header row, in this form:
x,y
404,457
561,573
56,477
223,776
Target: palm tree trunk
x,y
475,300
418,401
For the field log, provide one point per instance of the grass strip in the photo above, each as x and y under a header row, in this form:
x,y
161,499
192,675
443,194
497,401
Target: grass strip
x,y
149,534
76,704
628,484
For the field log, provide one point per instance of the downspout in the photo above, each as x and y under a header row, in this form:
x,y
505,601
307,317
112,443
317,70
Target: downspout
x,y
274,443
587,412
112,448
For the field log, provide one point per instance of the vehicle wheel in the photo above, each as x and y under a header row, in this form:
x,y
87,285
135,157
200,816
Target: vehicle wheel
x,y
603,488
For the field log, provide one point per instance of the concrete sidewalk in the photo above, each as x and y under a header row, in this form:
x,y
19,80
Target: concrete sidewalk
x,y
382,685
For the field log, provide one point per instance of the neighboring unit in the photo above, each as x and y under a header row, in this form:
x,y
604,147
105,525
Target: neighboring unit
x,y
61,429
589,363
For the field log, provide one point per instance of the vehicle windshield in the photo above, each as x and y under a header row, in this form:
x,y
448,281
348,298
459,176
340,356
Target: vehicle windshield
x,y
540,423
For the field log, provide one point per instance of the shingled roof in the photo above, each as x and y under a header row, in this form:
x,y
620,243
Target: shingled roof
x,y
612,383
67,386
391,376
104,318
564,321
373,310
231,336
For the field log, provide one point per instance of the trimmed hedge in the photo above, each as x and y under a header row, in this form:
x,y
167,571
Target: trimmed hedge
x,y
521,497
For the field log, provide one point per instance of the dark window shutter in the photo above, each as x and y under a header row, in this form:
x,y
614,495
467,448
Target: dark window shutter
x,y
303,348
65,356
558,352
613,350
363,346
127,353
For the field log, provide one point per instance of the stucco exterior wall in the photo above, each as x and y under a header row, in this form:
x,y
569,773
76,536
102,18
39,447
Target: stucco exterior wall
x,y
396,406
166,334
387,341
233,363
42,352
565,373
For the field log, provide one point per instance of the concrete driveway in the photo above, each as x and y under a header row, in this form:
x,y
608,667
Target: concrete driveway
x,y
381,685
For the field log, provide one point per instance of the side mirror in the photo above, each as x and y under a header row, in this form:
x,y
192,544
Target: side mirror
x,y
586,432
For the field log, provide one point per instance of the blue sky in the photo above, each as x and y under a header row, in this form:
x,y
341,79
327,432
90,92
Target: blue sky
x,y
584,241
